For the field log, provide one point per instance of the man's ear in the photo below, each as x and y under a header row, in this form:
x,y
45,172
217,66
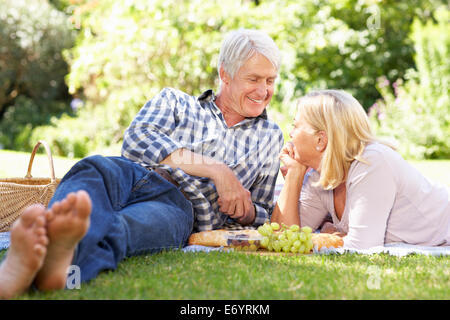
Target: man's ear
x,y
224,76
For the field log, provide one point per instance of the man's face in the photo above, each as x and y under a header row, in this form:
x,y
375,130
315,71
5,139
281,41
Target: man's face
x,y
252,87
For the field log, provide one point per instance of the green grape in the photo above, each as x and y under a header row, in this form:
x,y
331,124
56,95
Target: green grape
x,y
310,245
264,242
282,237
275,226
303,237
294,250
297,244
286,249
262,231
306,229
294,228
284,242
290,234
268,229
291,243
277,246
302,249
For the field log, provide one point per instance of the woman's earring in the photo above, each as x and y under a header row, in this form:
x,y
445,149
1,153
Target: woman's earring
x,y
318,148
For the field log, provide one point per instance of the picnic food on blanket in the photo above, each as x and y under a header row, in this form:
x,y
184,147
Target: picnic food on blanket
x,y
286,239
217,238
243,241
327,240
221,237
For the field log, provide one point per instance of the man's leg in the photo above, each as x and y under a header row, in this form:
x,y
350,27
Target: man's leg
x,y
154,217
124,212
26,253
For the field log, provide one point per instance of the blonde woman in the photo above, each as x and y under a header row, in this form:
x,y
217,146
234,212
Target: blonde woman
x,y
373,195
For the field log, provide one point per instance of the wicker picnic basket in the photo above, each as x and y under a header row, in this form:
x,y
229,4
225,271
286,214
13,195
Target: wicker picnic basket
x,y
18,193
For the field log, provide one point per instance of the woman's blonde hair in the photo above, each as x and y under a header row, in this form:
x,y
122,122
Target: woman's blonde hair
x,y
346,125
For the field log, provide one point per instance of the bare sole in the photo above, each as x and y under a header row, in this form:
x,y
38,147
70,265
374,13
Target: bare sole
x,y
67,223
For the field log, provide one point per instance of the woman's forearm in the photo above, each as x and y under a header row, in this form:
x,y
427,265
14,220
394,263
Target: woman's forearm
x,y
287,207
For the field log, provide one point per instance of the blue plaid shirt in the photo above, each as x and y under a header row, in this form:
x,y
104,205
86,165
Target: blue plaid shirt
x,y
174,120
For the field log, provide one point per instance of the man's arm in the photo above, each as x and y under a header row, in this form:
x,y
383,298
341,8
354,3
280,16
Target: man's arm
x,y
147,140
234,199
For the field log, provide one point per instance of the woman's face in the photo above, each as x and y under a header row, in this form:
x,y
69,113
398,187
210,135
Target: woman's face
x,y
308,146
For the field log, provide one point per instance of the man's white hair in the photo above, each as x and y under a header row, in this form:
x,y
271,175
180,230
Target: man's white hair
x,y
240,45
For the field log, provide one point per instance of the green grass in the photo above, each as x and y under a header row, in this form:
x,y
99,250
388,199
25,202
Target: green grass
x,y
220,275
15,164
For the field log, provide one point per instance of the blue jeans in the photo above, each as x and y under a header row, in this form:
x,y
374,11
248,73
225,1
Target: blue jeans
x,y
134,211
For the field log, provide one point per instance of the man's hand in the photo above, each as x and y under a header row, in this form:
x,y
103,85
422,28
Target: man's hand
x,y
234,200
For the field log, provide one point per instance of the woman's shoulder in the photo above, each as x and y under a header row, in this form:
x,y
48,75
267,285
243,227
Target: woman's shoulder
x,y
376,158
379,152
378,148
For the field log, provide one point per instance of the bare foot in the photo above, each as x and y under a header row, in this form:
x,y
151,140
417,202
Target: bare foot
x,y
67,223
26,253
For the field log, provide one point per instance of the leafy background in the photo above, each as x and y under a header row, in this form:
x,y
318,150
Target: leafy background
x,y
75,72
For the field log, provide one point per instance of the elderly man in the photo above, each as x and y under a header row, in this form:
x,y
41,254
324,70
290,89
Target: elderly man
x,y
187,164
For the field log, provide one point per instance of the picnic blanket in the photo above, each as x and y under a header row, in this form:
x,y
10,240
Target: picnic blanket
x,y
394,249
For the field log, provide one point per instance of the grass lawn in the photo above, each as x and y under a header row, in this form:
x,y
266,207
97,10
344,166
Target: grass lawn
x,y
233,275
224,276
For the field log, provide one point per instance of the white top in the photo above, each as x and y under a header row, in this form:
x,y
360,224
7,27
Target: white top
x,y
386,201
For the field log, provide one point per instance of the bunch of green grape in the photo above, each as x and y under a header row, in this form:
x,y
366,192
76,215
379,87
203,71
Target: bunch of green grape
x,y
286,239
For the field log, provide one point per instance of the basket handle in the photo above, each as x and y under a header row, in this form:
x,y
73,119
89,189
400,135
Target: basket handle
x,y
50,160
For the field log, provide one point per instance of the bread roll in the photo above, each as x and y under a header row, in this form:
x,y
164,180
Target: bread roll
x,y
326,240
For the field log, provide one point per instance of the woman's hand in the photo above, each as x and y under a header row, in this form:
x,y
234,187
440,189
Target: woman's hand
x,y
287,156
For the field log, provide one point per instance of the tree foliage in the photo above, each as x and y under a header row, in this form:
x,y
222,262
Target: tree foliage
x,y
128,50
32,68
416,113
